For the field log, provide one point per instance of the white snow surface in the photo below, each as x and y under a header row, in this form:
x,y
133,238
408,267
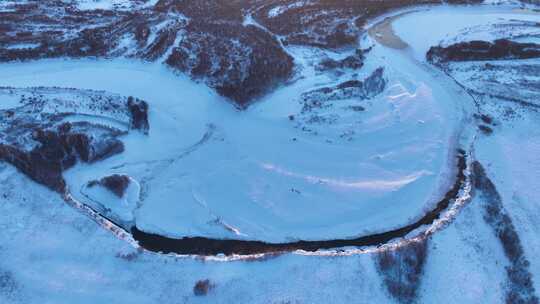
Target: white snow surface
x,y
103,4
205,162
118,208
54,254
51,253
425,28
207,169
10,101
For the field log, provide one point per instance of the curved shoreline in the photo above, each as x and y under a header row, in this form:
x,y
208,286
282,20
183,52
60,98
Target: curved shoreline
x,y
231,249
242,249
384,34
210,246
432,221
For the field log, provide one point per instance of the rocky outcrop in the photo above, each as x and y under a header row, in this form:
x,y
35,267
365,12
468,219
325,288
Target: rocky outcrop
x,y
501,49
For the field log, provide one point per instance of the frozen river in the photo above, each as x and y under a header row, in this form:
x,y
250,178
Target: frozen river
x,y
207,169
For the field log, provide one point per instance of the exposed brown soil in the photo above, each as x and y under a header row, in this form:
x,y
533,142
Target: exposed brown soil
x,y
384,34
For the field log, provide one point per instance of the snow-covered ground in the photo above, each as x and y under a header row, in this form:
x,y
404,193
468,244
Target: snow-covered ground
x,y
511,157
111,4
51,253
208,169
507,91
425,28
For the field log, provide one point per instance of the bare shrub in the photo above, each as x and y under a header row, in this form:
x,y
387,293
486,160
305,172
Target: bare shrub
x,y
202,287
8,285
520,288
131,256
402,269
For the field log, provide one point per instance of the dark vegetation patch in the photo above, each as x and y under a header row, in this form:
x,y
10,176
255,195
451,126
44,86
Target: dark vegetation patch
x,y
401,269
505,79
208,246
8,285
129,256
58,150
325,23
368,88
483,50
357,108
202,287
241,61
139,114
35,138
164,40
115,183
487,119
353,62
520,288
485,129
